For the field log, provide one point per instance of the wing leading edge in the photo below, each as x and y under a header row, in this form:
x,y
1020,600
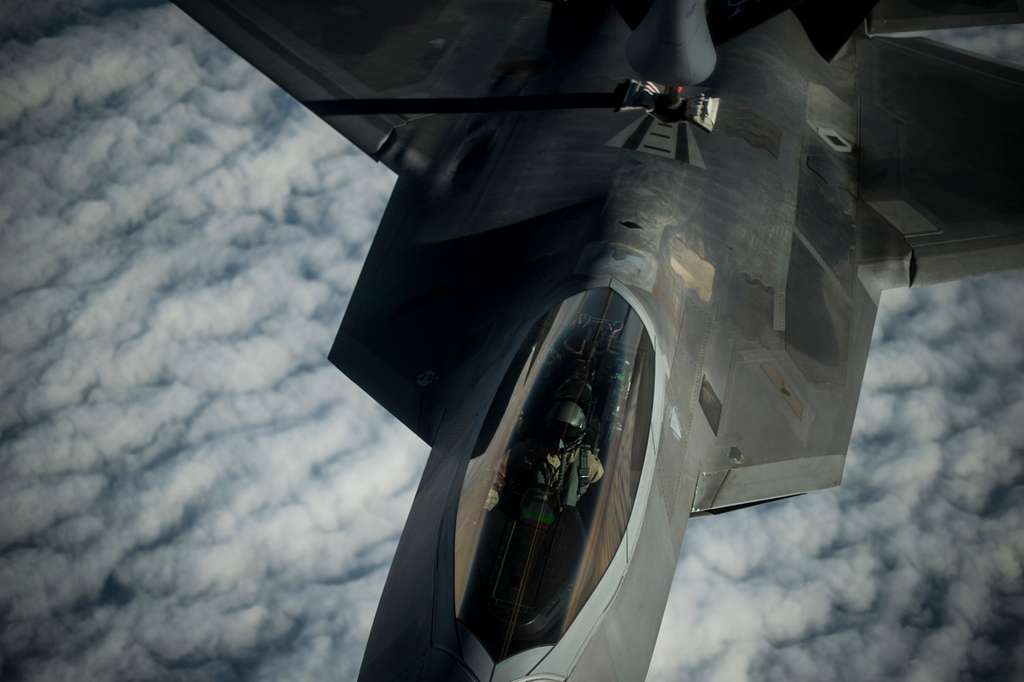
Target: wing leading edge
x,y
377,48
943,155
896,16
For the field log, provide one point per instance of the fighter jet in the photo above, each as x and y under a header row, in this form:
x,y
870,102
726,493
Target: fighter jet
x,y
628,276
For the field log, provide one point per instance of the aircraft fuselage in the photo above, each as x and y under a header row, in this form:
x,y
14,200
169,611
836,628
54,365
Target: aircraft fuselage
x,y
737,252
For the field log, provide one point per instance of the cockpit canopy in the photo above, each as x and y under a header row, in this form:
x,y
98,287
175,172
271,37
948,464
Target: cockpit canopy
x,y
551,485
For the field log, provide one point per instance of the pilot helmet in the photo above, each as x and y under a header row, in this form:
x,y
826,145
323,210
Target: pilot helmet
x,y
567,419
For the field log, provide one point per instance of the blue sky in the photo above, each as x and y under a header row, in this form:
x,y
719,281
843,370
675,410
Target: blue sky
x,y
189,491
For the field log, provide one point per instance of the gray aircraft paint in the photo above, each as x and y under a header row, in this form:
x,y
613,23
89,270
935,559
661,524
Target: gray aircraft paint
x,y
755,260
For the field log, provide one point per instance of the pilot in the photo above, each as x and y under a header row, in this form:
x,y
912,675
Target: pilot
x,y
568,467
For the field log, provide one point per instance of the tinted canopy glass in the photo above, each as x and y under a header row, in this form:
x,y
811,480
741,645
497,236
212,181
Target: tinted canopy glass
x,y
547,496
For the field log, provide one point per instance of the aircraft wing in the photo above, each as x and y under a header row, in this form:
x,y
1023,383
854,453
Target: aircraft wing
x,y
895,16
942,155
378,48
941,161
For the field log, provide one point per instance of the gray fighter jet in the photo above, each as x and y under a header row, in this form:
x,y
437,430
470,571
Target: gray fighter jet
x,y
628,275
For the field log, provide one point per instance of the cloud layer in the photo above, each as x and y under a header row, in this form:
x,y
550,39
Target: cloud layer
x,y
189,491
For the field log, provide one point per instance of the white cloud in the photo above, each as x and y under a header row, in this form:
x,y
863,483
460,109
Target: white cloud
x,y
178,458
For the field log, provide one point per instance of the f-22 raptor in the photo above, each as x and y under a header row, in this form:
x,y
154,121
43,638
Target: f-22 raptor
x,y
628,276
